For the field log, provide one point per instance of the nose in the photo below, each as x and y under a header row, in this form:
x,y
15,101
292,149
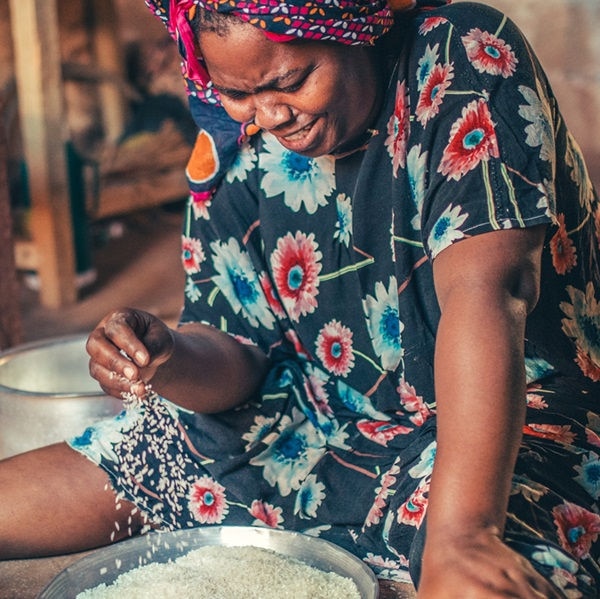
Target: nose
x,y
270,113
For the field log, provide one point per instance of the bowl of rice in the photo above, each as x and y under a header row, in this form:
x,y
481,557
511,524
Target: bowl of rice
x,y
218,562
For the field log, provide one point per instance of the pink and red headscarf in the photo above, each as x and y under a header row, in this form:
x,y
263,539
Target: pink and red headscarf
x,y
350,22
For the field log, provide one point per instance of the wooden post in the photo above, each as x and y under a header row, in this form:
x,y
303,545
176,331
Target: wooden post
x,y
10,315
43,125
109,58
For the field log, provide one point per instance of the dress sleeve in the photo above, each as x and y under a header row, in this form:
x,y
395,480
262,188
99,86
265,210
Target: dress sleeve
x,y
484,119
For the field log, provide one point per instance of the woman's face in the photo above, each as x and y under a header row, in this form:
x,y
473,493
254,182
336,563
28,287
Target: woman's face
x,y
316,98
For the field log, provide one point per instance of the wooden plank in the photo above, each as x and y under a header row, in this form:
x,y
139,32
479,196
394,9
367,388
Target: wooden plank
x,y
111,60
10,315
130,195
43,124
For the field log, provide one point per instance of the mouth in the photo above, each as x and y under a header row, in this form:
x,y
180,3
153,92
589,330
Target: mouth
x,y
299,140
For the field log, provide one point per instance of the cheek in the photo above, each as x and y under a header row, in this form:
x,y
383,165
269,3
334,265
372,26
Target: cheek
x,y
238,111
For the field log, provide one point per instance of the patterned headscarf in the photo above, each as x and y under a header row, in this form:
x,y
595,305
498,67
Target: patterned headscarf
x,y
350,22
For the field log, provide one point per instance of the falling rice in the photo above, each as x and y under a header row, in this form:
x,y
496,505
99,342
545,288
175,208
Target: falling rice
x,y
216,572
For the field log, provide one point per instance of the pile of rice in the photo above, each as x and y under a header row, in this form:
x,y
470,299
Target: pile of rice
x,y
216,572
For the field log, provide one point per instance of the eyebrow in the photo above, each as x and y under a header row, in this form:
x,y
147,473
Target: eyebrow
x,y
274,83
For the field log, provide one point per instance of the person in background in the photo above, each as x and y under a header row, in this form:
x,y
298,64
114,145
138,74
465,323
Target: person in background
x,y
391,330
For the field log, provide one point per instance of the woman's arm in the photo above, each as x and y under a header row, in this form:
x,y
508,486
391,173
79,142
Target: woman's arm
x,y
486,286
197,367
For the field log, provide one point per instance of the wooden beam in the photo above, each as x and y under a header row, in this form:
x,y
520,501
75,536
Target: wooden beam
x,y
110,59
43,125
10,314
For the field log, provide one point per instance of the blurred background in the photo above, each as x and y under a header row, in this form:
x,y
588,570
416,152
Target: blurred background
x,y
95,134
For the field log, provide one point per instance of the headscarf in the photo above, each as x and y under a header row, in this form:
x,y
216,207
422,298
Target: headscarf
x,y
350,22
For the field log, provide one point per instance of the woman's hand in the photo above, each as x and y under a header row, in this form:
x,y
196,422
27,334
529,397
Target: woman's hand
x,y
480,567
125,350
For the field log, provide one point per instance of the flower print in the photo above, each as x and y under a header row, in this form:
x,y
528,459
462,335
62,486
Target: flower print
x,y
564,255
536,401
564,569
413,403
425,465
398,129
577,528
536,369
583,326
265,514
538,113
446,229
343,225
292,454
416,168
412,511
430,23
358,403
385,326
587,366
97,441
271,295
579,172
309,498
334,348
206,501
191,290
381,432
192,254
299,349
244,162
592,437
316,391
472,139
433,92
302,180
296,265
589,474
396,571
555,432
381,495
426,64
201,201
259,431
489,54
239,282
526,487
547,555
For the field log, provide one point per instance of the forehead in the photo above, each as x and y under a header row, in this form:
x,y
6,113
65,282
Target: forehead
x,y
243,54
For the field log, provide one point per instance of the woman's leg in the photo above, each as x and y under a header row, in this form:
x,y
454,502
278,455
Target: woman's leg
x,y
54,500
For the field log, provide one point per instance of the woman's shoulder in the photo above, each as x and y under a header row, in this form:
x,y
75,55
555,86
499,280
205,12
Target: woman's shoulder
x,y
459,19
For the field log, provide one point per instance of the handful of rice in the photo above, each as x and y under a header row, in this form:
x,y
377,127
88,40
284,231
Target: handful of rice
x,y
216,572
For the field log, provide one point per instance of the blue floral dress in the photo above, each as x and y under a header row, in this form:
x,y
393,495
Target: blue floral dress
x,y
326,265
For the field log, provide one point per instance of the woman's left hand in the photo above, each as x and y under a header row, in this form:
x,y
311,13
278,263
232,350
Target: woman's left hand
x,y
480,566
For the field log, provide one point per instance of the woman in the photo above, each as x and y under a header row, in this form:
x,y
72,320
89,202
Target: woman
x,y
399,267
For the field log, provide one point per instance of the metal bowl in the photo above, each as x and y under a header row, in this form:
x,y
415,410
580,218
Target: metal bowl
x,y
47,394
105,565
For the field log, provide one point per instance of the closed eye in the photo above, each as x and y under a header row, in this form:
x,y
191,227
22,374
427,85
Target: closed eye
x,y
233,94
237,94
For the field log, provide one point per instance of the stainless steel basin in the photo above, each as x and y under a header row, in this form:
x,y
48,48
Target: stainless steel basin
x,y
47,394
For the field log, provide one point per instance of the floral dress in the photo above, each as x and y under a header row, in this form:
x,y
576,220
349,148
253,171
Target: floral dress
x,y
326,265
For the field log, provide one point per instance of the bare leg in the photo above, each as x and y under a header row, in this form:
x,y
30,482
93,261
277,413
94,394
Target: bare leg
x,y
54,500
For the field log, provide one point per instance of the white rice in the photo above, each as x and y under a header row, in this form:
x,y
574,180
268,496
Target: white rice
x,y
216,572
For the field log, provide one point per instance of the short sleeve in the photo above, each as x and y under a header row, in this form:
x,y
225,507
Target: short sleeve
x,y
484,117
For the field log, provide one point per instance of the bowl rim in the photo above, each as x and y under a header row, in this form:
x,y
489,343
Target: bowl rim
x,y
189,539
31,346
